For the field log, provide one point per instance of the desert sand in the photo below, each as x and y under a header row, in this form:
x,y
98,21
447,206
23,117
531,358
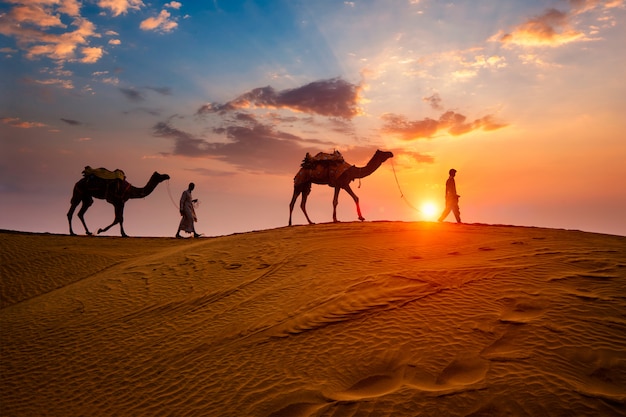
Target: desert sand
x,y
349,319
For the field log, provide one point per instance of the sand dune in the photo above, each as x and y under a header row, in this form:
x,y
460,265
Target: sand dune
x,y
349,319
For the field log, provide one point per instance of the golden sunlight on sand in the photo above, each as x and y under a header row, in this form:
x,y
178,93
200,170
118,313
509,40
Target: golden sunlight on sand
x,y
350,319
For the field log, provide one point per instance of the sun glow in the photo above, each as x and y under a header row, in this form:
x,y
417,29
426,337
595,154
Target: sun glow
x,y
429,210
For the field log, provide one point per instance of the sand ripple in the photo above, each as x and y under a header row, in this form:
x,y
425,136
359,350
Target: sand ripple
x,y
352,319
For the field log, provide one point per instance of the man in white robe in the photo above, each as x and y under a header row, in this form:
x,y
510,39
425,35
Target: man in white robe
x,y
188,212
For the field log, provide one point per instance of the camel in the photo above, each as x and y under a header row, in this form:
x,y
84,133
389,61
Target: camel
x,y
338,175
114,191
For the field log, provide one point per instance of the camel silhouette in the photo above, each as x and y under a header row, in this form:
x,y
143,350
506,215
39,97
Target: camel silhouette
x,y
114,191
338,175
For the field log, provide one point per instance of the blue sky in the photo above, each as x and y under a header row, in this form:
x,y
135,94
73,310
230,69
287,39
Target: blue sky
x,y
524,99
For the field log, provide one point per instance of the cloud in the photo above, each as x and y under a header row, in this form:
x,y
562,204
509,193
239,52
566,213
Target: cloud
x,y
39,31
90,55
161,23
582,6
111,80
206,172
71,122
146,110
66,84
8,50
454,123
166,91
333,97
132,94
434,101
549,29
39,28
251,147
34,14
22,124
554,27
118,7
70,7
174,5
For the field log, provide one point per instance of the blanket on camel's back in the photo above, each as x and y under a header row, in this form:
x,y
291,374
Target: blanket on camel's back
x,y
104,173
322,158
323,168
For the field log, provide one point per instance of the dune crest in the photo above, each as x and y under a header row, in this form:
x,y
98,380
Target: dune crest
x,y
384,318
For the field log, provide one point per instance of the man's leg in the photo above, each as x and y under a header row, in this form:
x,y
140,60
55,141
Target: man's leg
x,y
457,212
445,213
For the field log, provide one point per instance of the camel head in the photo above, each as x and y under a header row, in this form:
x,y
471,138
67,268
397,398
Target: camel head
x,y
383,155
159,178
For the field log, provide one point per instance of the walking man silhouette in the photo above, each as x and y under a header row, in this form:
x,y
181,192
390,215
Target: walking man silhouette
x,y
452,199
187,212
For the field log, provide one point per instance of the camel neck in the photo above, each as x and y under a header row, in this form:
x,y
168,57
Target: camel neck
x,y
137,192
372,165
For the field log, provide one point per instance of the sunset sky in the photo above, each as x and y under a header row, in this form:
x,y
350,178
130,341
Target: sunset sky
x,y
525,99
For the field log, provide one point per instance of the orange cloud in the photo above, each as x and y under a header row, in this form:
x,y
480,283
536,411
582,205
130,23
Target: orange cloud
x,y
454,123
161,23
66,84
550,29
555,27
22,124
90,55
38,30
119,7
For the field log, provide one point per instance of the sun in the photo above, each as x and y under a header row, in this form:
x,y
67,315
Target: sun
x,y
429,210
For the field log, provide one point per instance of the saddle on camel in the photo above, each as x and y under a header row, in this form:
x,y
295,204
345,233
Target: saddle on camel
x,y
323,166
115,178
104,173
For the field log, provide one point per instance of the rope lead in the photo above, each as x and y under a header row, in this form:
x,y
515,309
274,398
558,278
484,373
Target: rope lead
x,y
169,192
408,203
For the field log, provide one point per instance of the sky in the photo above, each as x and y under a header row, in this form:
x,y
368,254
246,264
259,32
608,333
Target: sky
x,y
525,99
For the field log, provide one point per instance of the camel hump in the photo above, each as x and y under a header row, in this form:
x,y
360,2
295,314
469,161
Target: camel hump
x,y
104,173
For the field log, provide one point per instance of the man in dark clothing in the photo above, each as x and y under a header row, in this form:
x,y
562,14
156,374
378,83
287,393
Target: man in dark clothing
x,y
452,199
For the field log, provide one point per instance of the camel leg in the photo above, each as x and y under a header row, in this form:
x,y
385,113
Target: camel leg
x,y
296,193
335,203
356,201
119,218
305,195
70,213
87,202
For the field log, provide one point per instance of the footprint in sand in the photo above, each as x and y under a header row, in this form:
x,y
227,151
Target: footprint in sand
x,y
507,347
603,373
521,311
463,373
300,404
298,410
371,386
